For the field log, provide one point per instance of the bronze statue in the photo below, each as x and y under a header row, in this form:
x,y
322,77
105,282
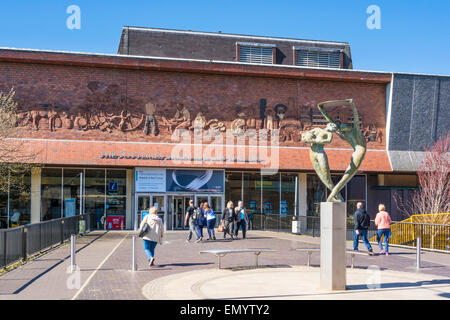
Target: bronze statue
x,y
346,131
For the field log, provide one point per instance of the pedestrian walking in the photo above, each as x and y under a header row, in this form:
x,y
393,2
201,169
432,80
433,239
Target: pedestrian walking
x,y
228,217
191,220
154,234
201,222
210,221
383,222
362,223
241,219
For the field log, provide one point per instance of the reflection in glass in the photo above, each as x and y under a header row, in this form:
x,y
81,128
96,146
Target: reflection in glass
x,y
252,199
71,192
51,186
94,193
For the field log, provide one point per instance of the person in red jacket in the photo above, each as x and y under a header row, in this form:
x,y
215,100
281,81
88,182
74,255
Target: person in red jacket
x,y
383,222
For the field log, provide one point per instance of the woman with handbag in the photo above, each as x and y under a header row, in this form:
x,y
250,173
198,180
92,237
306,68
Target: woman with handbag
x,y
210,221
151,231
383,222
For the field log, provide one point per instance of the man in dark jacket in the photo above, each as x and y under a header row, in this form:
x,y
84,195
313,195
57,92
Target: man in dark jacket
x,y
228,218
362,223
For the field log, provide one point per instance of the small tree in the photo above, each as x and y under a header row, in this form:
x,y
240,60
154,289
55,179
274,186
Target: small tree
x,y
433,195
15,156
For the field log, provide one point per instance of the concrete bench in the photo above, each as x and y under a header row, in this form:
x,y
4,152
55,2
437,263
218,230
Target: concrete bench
x,y
354,253
308,251
219,253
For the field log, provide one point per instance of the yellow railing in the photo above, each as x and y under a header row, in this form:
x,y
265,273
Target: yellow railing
x,y
433,228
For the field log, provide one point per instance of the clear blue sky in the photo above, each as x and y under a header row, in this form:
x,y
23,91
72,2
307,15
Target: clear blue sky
x,y
414,35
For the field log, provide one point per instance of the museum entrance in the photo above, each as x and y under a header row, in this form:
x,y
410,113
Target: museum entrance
x,y
144,201
178,203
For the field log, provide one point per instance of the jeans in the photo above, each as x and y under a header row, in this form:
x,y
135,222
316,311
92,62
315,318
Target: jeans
x,y
363,234
210,224
192,230
242,224
200,231
149,248
387,234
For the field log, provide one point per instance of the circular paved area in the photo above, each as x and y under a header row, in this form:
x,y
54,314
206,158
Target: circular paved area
x,y
296,283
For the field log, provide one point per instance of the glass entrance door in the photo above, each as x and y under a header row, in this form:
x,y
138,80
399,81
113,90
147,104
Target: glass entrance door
x,y
177,210
143,204
214,201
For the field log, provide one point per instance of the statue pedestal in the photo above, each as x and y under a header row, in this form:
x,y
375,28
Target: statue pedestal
x,y
333,263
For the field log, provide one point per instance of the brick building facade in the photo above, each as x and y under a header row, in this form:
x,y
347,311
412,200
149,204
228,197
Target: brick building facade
x,y
114,134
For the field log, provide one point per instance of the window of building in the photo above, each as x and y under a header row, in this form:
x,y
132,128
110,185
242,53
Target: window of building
x,y
317,57
95,192
233,187
71,191
256,52
51,193
116,192
15,200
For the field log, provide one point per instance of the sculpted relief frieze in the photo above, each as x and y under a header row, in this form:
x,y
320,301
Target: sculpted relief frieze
x,y
108,112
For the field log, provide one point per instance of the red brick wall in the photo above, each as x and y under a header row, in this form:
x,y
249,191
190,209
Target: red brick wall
x,y
80,90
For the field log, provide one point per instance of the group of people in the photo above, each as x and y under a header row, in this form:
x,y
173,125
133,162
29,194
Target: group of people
x,y
232,219
362,223
235,218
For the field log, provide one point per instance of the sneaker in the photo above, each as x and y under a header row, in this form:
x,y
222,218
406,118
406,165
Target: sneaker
x,y
198,240
214,238
371,253
387,253
188,241
382,252
208,239
151,262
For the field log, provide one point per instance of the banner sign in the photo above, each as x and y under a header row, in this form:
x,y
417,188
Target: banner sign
x,y
195,180
150,180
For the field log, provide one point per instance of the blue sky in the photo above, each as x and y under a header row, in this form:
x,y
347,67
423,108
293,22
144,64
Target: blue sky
x,y
414,35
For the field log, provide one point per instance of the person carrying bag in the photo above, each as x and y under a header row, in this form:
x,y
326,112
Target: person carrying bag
x,y
151,231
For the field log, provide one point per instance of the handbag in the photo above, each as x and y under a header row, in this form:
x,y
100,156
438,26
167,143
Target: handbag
x,y
220,228
143,231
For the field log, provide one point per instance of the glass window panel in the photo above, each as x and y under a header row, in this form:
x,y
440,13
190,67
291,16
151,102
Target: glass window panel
x,y
20,199
94,189
271,194
116,192
233,186
51,185
288,183
4,208
252,192
71,191
316,193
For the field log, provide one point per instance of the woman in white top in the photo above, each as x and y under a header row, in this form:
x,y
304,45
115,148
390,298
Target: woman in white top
x,y
154,235
210,221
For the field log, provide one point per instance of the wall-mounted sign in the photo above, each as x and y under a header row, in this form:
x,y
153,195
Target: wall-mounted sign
x,y
150,180
69,207
113,186
195,180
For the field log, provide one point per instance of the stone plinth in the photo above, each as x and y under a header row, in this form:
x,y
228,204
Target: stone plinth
x,y
332,245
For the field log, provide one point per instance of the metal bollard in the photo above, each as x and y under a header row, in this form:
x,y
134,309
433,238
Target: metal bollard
x,y
418,247
133,258
73,264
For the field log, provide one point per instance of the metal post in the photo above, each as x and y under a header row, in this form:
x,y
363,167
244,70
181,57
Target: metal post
x,y
133,262
24,243
72,253
81,193
418,247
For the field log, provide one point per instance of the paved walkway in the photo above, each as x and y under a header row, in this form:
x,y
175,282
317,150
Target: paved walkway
x,y
105,272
